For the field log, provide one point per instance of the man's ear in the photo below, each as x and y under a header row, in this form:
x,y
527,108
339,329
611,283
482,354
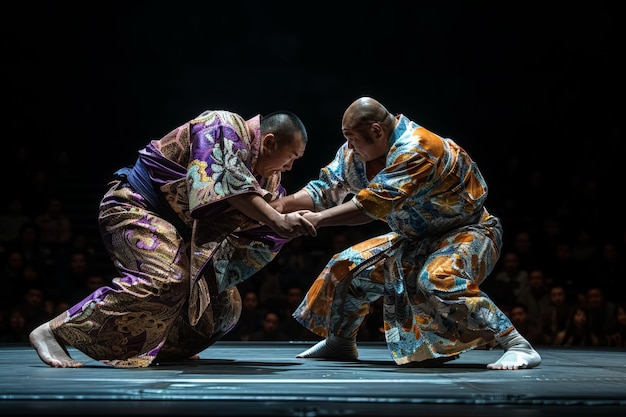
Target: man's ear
x,y
269,141
378,130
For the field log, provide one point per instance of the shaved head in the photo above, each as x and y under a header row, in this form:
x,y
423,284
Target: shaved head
x,y
363,112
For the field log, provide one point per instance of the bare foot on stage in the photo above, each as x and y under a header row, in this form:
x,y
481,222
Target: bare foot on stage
x,y
50,351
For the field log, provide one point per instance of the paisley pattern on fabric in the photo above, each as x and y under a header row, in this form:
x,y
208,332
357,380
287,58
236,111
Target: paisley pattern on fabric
x,y
443,244
174,288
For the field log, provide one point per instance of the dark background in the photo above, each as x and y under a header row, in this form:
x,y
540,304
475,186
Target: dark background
x,y
533,84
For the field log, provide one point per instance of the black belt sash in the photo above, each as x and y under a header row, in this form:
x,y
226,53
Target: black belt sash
x,y
139,178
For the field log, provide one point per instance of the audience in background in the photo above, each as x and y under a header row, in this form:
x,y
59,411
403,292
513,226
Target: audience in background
x,y
524,324
578,331
554,316
618,337
601,313
271,329
508,281
560,275
251,319
535,295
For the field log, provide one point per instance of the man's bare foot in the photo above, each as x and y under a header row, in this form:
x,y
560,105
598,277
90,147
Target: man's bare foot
x,y
50,351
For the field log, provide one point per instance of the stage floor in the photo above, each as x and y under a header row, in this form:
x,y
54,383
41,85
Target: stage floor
x,y
265,379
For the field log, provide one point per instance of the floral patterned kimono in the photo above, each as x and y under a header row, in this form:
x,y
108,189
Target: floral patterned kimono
x,y
442,245
178,245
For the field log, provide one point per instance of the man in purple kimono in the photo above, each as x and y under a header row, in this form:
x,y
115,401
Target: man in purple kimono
x,y
443,243
183,226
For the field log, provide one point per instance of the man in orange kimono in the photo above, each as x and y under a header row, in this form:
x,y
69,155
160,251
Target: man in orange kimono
x,y
442,245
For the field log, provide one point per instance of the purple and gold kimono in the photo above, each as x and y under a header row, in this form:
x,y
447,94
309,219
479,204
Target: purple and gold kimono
x,y
442,245
179,246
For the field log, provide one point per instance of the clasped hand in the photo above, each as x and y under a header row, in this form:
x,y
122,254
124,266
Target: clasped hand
x,y
295,224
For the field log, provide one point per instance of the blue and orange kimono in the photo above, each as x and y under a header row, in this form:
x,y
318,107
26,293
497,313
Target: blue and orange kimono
x,y
443,243
179,246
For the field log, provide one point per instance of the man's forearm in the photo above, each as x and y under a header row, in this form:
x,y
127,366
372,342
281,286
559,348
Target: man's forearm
x,y
346,214
300,200
286,225
255,207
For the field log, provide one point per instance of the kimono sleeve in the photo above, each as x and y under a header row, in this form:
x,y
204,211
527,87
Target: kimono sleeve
x,y
220,166
343,177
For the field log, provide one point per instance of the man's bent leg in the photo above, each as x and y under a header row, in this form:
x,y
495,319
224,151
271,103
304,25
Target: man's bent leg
x,y
339,299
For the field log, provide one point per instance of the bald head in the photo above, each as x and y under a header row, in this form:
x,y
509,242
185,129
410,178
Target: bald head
x,y
365,111
367,126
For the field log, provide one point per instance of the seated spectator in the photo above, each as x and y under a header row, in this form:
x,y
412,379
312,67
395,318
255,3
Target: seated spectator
x,y
12,218
554,317
562,267
610,271
535,296
54,225
293,329
29,245
602,314
296,264
250,320
16,330
33,308
618,338
525,249
578,332
10,278
93,281
270,329
269,284
72,272
508,282
531,330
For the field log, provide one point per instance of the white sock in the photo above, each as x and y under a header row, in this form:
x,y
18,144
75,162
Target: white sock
x,y
518,353
333,347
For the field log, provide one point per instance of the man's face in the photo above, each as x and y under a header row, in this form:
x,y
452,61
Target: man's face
x,y
270,323
294,296
595,298
278,158
365,144
557,295
518,315
250,301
